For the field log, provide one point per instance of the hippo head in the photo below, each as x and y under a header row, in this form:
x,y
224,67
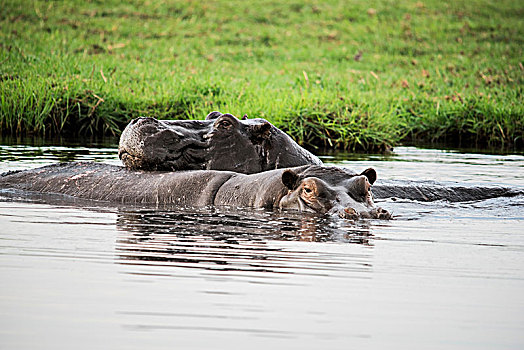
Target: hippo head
x,y
331,190
220,142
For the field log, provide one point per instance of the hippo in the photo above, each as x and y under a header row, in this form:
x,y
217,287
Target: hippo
x,y
307,188
220,142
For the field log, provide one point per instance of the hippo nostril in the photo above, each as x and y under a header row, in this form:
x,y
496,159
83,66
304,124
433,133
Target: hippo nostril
x,y
348,213
352,214
382,214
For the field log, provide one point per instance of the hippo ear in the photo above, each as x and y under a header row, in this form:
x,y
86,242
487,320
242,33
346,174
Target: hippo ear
x,y
290,179
213,115
244,117
261,130
371,174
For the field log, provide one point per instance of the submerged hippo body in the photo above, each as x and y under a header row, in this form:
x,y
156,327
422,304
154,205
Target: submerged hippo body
x,y
428,191
307,188
221,142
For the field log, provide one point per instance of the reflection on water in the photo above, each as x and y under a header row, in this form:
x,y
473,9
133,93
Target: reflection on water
x,y
244,224
84,274
220,240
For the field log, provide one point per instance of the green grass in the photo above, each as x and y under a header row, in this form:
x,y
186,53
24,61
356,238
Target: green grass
x,y
348,74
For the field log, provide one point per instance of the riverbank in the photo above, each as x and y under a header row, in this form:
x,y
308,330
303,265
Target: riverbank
x,y
354,76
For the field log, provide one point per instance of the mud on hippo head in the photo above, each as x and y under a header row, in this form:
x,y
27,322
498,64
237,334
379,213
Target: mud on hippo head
x,y
220,142
331,190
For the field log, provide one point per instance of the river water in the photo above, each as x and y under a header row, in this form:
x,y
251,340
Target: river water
x,y
93,276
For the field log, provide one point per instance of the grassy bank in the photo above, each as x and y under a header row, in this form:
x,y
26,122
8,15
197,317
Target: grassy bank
x,y
356,75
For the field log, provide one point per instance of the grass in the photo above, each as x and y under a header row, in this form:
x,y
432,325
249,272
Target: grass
x,y
353,75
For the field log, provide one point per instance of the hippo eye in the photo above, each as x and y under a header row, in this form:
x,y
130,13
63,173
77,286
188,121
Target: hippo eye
x,y
224,124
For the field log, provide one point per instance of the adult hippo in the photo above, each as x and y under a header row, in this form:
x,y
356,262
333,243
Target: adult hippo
x,y
220,142
310,188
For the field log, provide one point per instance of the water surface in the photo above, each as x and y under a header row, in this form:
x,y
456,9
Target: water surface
x,y
90,275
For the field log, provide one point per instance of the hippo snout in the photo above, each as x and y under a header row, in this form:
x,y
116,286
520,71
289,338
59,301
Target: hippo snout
x,y
375,213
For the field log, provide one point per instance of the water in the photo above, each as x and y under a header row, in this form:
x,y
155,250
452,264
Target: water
x,y
441,275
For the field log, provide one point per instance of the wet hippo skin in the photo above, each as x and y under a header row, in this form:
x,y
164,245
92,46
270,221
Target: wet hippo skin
x,y
309,188
220,142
